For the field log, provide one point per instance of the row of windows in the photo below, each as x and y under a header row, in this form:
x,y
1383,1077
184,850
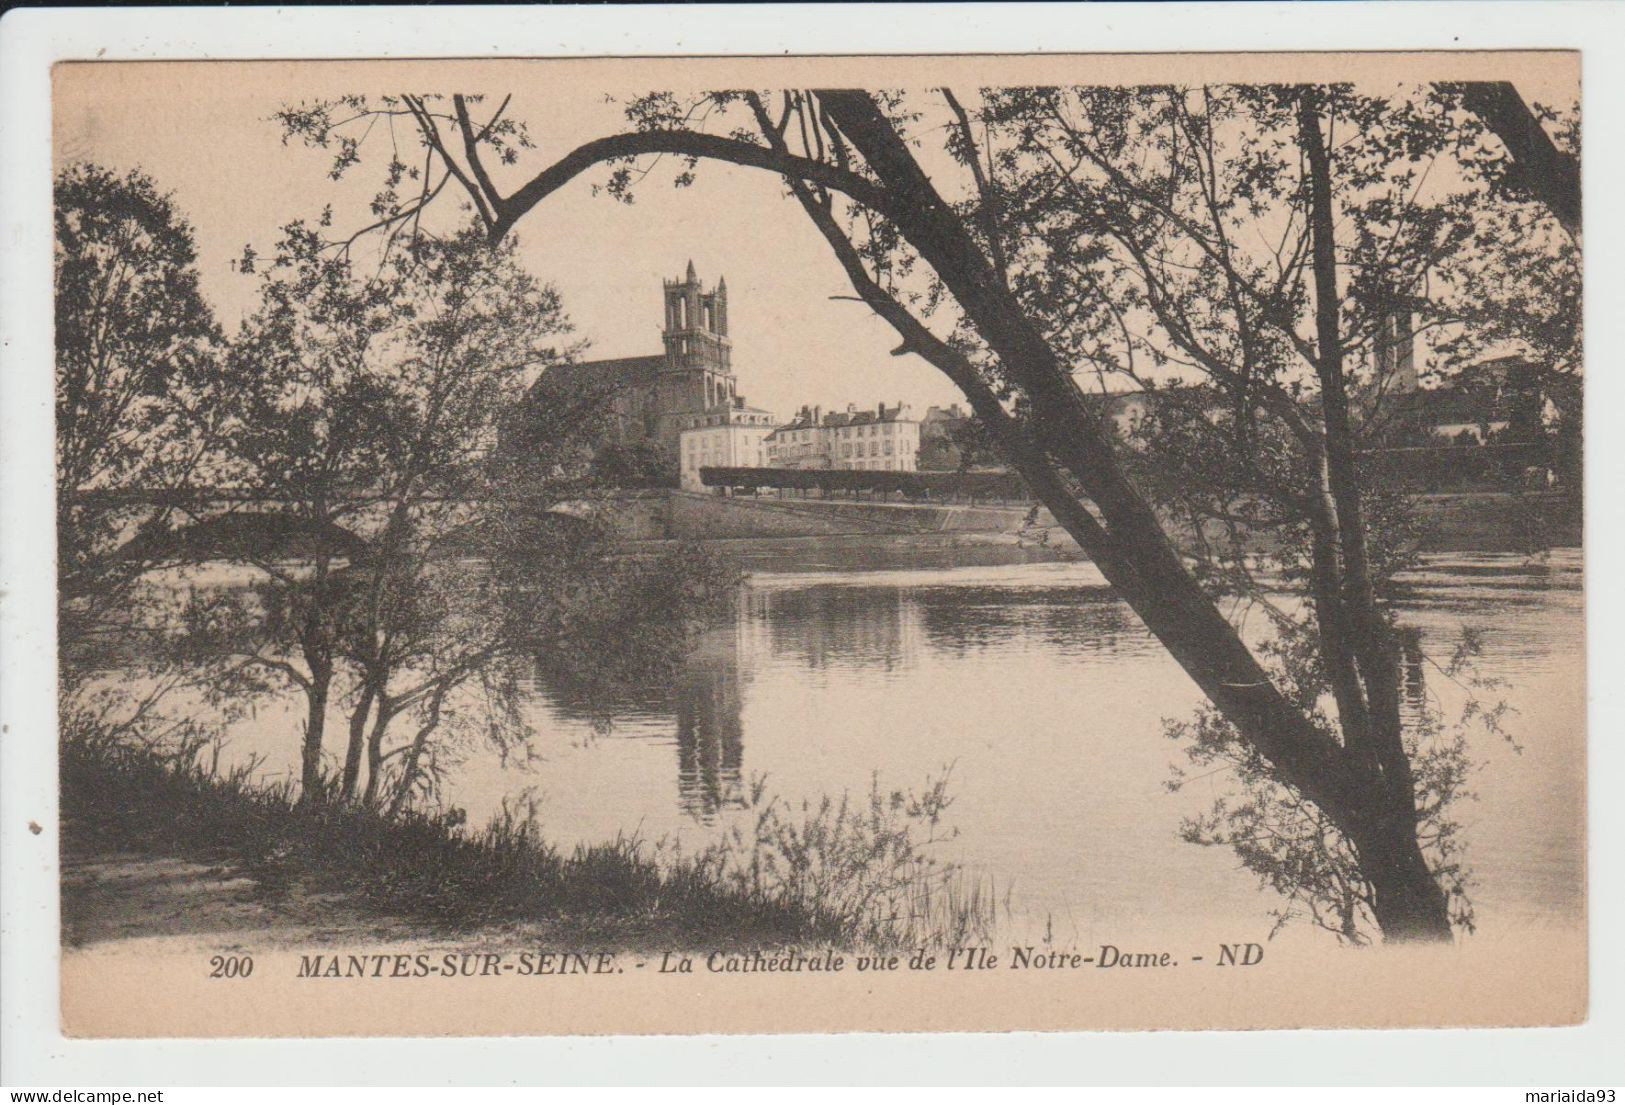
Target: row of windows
x,y
889,429
874,449
680,315
727,420
704,441
874,429
706,460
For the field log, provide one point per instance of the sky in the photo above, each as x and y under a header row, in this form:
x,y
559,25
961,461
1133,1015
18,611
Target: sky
x,y
202,132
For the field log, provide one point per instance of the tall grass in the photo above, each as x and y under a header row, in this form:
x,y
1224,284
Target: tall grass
x,y
835,872
867,868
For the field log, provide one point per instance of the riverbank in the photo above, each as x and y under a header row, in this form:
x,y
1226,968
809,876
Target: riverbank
x,y
760,532
155,848
159,846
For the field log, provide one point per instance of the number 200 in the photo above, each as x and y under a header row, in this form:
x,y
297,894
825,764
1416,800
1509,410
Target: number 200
x,y
231,966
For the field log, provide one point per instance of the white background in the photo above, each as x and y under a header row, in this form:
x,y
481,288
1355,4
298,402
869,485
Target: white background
x,y
32,1052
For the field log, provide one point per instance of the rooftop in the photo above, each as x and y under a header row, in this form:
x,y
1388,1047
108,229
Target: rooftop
x,y
608,375
812,417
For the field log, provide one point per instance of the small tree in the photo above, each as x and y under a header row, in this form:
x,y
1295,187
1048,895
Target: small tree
x,y
365,409
638,464
138,414
137,391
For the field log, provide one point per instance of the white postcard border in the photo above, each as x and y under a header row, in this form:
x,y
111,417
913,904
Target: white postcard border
x,y
31,40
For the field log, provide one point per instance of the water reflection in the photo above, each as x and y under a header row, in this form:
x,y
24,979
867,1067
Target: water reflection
x,y
828,625
1073,620
1413,677
707,700
1048,698
689,692
694,697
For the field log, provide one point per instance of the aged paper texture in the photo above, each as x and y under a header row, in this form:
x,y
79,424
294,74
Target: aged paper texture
x,y
724,545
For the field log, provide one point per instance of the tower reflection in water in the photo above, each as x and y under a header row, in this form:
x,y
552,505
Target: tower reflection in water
x,y
691,690
707,699
695,694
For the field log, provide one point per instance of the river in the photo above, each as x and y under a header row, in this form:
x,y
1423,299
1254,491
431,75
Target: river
x,y
1045,697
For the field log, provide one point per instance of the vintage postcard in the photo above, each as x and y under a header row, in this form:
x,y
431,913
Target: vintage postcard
x,y
819,544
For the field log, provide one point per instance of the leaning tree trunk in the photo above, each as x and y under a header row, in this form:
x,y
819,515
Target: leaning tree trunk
x,y
1547,173
1133,552
1069,444
1408,902
358,738
1406,899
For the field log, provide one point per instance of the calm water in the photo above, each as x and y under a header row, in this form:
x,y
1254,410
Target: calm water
x,y
1046,696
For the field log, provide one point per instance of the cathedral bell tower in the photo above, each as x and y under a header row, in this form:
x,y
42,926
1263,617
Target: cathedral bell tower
x,y
698,373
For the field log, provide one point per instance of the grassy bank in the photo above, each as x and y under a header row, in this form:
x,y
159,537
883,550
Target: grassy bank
x,y
840,874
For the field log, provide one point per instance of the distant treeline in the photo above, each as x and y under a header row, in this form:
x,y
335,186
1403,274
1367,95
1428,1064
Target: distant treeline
x,y
1489,467
917,486
1428,468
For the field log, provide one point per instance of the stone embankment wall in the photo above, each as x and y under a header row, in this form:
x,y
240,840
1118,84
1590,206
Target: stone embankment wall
x,y
1485,522
691,516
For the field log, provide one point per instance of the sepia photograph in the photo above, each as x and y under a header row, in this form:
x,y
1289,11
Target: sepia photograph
x,y
810,544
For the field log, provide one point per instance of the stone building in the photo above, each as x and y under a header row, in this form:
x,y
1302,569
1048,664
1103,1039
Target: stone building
x,y
655,398
940,423
882,439
800,443
726,436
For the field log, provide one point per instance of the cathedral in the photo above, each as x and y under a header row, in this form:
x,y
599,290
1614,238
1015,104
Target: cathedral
x,y
655,397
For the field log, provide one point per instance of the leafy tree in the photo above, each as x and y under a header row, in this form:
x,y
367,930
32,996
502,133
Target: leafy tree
x,y
638,464
138,414
365,409
137,390
1103,228
1276,243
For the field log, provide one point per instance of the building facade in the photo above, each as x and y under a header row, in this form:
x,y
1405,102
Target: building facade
x,y
939,423
654,398
799,444
883,439
726,436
